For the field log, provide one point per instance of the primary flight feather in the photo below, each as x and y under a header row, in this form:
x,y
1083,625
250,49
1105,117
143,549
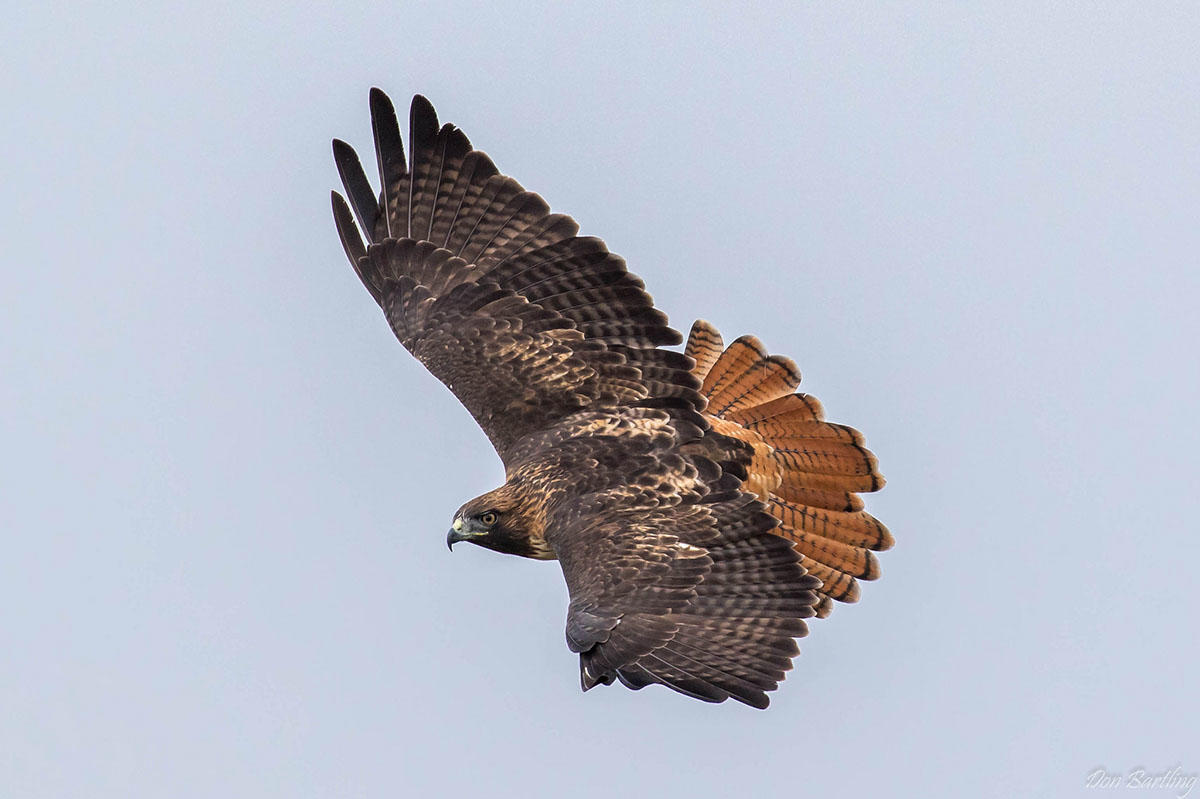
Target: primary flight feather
x,y
700,509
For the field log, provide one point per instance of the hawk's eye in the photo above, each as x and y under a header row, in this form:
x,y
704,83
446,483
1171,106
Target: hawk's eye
x,y
488,518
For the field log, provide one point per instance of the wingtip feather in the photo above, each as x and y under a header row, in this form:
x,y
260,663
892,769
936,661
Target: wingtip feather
x,y
358,188
352,242
389,152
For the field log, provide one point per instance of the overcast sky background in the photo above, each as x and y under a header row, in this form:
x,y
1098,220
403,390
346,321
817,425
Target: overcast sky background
x,y
225,486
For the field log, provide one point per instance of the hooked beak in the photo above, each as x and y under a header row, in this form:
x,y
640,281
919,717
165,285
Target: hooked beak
x,y
456,534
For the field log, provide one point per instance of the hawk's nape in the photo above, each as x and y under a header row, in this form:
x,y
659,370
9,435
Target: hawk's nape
x,y
689,499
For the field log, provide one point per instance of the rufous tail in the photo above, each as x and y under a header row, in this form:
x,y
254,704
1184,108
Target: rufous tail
x,y
808,471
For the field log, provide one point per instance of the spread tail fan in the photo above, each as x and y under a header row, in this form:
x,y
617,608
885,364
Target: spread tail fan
x,y
806,470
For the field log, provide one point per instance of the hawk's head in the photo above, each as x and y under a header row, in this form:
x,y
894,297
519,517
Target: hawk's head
x,y
499,521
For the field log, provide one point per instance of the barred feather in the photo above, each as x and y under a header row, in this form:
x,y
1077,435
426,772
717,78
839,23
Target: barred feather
x,y
704,346
801,406
855,528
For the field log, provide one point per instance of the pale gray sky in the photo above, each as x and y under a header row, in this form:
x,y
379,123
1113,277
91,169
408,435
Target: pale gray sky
x,y
225,486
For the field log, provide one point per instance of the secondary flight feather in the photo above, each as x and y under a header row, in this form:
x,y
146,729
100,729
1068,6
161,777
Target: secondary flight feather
x,y
701,509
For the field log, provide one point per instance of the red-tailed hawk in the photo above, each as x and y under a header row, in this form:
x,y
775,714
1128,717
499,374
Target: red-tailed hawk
x,y
700,509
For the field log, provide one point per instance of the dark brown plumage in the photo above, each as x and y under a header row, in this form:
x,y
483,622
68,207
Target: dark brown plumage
x,y
699,509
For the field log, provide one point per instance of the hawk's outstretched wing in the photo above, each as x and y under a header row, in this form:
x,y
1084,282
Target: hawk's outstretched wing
x,y
523,320
697,596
